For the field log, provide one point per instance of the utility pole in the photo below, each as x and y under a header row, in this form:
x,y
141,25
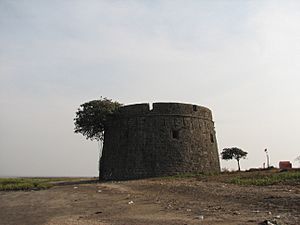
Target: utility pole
x,y
268,159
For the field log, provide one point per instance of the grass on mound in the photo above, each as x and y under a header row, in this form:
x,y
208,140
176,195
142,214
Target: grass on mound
x,y
261,179
258,178
24,184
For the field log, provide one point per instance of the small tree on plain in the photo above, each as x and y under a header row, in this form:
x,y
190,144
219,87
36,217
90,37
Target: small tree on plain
x,y
234,153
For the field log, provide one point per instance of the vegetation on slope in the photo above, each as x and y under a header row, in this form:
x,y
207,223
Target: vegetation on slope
x,y
261,179
24,184
257,178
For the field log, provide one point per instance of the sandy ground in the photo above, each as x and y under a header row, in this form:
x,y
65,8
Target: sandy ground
x,y
152,201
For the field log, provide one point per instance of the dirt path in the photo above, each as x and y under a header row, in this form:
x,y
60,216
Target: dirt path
x,y
153,201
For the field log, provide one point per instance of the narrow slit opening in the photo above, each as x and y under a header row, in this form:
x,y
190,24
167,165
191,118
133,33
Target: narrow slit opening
x,y
175,134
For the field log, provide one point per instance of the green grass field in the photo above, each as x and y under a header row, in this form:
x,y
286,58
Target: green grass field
x,y
16,184
257,178
263,179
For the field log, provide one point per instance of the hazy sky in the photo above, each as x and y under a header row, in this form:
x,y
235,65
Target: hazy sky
x,y
239,58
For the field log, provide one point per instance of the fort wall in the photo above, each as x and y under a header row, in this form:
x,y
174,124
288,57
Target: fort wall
x,y
171,138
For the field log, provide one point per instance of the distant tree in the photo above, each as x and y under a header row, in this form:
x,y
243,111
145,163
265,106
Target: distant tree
x,y
234,153
298,159
91,117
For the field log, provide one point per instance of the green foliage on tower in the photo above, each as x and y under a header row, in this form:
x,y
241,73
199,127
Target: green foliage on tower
x,y
91,117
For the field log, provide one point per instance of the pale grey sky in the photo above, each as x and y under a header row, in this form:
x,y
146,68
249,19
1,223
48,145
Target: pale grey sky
x,y
239,58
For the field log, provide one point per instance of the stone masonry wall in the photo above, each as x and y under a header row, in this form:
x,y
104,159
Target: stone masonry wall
x,y
171,138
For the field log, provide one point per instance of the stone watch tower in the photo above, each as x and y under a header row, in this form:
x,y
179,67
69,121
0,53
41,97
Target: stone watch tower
x,y
171,138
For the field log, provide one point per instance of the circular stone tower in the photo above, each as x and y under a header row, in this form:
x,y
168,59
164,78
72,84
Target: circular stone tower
x,y
171,138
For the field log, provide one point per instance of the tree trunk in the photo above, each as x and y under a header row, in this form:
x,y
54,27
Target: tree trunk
x,y
99,167
100,148
239,167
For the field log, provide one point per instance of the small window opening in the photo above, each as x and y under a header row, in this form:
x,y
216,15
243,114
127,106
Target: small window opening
x,y
194,108
175,134
212,138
